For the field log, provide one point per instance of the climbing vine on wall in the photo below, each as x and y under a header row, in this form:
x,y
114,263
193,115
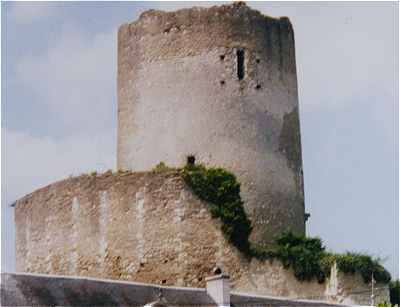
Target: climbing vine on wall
x,y
306,256
221,190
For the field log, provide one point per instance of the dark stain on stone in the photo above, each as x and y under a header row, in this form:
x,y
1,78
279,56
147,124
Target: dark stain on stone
x,y
41,295
97,296
279,213
289,140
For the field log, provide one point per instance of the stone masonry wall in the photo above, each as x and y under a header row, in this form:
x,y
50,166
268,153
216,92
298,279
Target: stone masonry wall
x,y
179,94
144,227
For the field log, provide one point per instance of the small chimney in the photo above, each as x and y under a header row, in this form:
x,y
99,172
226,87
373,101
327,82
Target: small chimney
x,y
218,288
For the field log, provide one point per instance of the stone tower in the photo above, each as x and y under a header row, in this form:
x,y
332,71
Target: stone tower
x,y
218,85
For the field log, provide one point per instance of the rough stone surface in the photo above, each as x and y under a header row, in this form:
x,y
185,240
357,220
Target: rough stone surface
x,y
146,227
179,95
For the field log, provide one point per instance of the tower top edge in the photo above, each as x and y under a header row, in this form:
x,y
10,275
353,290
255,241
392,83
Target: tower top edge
x,y
207,15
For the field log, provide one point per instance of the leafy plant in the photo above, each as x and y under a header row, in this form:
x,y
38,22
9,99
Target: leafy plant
x,y
303,255
222,192
161,167
365,265
394,288
306,256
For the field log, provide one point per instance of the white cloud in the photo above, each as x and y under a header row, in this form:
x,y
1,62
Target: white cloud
x,y
28,12
343,50
33,162
75,79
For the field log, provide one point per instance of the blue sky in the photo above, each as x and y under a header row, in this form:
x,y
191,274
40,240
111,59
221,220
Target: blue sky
x,y
59,108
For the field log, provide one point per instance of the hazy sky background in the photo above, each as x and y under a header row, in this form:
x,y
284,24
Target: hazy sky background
x,y
59,108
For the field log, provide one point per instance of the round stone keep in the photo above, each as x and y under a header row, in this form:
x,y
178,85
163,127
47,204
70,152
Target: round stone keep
x,y
216,86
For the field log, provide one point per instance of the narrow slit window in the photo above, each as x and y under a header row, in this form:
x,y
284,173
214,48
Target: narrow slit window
x,y
240,64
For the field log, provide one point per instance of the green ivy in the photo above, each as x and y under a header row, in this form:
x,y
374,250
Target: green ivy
x,y
306,256
220,189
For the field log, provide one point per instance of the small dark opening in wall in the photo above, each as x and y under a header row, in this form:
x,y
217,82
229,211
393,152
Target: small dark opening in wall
x,y
191,160
240,63
222,57
217,271
257,61
222,82
199,279
164,281
258,86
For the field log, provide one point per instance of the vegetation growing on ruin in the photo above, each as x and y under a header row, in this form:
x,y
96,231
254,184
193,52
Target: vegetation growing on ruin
x,y
222,192
309,259
306,256
161,167
394,287
364,264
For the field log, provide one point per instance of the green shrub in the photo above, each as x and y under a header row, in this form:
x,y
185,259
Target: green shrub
x,y
306,256
263,253
394,288
161,167
309,259
303,255
221,190
365,265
